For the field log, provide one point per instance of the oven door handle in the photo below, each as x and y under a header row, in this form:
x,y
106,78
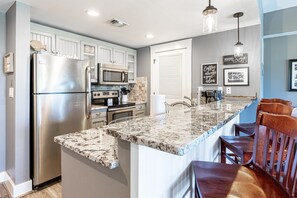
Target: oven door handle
x,y
122,109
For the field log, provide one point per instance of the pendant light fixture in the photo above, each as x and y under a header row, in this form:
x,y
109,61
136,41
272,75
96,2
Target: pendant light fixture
x,y
238,47
210,20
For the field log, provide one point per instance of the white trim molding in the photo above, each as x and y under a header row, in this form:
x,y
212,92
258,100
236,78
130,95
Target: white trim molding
x,y
15,190
280,35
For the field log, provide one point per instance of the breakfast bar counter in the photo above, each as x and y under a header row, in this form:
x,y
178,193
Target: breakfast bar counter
x,y
154,153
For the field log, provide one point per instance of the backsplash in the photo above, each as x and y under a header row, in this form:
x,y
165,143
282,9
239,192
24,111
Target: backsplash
x,y
139,90
110,87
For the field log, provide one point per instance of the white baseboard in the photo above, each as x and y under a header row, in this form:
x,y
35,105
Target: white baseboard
x,y
3,176
15,190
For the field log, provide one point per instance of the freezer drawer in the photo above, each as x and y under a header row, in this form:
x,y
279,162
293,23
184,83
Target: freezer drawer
x,y
54,114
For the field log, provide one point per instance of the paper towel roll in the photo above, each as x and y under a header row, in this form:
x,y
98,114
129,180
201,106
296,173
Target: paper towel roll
x,y
157,104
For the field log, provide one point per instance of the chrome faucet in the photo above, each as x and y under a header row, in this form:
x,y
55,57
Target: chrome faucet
x,y
193,103
180,103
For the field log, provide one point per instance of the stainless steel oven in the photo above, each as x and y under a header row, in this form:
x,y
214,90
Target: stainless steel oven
x,y
120,112
116,109
113,74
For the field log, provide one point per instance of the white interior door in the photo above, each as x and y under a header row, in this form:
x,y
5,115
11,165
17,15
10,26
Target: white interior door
x,y
170,75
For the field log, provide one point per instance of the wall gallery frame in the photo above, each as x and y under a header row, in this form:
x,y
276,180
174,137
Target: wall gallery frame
x,y
209,72
293,75
236,76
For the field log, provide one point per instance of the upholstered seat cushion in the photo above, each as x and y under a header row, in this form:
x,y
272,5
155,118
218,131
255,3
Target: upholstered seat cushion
x,y
215,180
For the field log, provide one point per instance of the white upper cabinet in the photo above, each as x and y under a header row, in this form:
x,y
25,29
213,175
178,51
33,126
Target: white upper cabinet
x,y
68,47
105,55
112,56
119,57
131,63
45,38
89,52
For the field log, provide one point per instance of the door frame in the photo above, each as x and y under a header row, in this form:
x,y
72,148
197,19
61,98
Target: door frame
x,y
186,46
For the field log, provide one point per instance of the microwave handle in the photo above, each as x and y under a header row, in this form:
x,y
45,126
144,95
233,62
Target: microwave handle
x,y
123,76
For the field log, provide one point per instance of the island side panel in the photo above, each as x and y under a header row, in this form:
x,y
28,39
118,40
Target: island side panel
x,y
82,177
164,175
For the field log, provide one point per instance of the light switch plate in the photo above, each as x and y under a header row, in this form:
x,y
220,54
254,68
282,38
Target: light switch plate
x,y
228,90
10,92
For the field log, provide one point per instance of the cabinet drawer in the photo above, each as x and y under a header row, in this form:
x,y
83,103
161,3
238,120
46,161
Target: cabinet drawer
x,y
139,113
98,122
140,107
98,114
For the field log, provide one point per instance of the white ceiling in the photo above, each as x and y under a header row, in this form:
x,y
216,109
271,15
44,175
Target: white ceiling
x,y
167,19
273,5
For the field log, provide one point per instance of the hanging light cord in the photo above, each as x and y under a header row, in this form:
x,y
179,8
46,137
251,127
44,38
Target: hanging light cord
x,y
238,29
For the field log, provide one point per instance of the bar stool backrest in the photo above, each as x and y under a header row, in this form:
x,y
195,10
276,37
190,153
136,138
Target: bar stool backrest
x,y
277,156
276,100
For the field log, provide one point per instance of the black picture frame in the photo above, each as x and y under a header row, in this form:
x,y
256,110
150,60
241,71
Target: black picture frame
x,y
238,76
293,75
209,74
95,75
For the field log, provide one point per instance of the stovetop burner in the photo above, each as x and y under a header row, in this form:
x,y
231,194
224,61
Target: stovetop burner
x,y
110,99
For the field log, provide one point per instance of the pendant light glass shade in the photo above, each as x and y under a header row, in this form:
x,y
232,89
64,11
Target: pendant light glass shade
x,y
238,47
210,20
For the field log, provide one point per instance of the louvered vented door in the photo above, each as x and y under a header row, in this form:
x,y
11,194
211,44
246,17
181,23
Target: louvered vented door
x,y
46,39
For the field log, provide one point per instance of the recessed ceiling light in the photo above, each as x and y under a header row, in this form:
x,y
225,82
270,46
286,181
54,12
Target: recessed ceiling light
x,y
92,13
150,36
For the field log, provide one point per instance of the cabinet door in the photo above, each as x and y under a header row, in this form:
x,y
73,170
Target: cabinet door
x,y
105,55
45,38
119,57
131,64
68,47
89,52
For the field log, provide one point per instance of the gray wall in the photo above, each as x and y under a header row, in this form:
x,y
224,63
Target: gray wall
x,y
2,94
277,52
17,111
211,48
144,69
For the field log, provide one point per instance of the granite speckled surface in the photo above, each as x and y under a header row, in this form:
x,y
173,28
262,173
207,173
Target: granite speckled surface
x,y
97,107
93,144
180,130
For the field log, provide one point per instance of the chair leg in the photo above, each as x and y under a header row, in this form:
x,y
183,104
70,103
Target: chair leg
x,y
236,131
223,152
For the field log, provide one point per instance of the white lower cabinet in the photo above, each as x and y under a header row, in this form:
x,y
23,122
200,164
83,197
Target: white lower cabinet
x,y
140,110
98,117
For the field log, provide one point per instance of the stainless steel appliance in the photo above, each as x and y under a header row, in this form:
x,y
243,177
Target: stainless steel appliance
x,y
212,95
112,74
60,103
116,108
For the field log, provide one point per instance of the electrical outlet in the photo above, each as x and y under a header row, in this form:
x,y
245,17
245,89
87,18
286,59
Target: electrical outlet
x,y
228,90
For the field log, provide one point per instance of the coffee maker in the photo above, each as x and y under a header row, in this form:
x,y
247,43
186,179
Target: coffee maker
x,y
212,95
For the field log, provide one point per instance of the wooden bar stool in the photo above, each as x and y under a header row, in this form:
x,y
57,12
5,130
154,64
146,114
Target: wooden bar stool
x,y
261,177
242,146
248,128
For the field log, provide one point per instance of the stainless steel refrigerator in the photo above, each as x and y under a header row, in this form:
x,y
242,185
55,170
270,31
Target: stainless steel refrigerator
x,y
60,104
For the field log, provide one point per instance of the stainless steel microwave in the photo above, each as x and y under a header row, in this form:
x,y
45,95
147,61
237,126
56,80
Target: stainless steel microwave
x,y
112,74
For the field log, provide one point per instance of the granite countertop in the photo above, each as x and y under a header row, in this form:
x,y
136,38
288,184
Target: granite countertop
x,y
180,130
97,107
93,144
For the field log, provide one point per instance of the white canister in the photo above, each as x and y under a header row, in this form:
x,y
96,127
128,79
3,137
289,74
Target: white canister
x,y
124,98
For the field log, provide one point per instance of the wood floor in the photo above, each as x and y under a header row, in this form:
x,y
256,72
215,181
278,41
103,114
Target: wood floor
x,y
3,192
51,191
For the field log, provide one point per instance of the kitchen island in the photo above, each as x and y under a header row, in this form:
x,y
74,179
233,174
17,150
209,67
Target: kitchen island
x,y
154,153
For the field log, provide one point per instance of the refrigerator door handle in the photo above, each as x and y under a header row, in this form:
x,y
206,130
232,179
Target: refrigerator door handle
x,y
88,90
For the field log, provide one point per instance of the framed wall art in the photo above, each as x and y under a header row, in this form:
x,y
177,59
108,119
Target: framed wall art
x,y
236,76
209,72
293,75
